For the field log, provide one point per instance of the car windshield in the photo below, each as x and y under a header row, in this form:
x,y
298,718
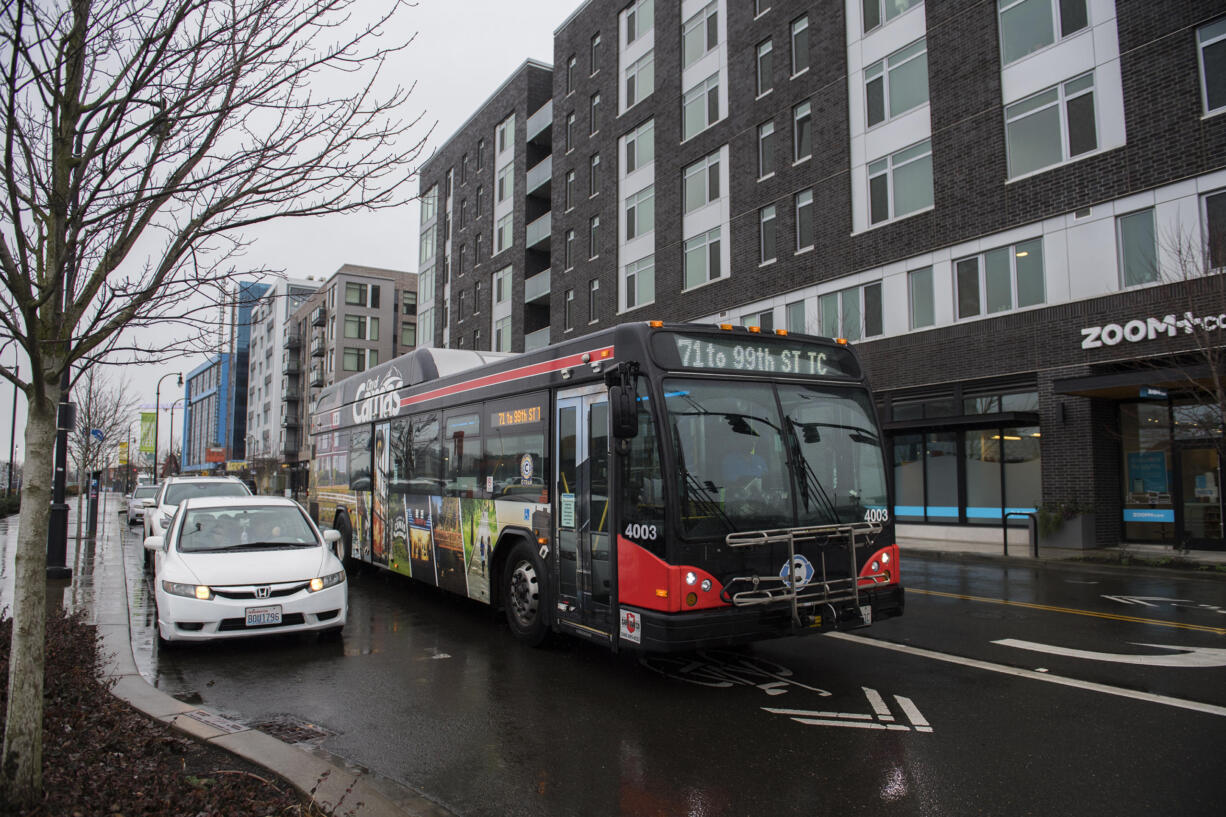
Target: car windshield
x,y
187,490
244,528
744,465
145,492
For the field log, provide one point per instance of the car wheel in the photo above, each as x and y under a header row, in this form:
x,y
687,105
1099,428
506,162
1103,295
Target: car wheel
x,y
331,634
525,595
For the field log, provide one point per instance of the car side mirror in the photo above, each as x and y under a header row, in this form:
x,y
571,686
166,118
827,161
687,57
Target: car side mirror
x,y
148,503
332,536
154,543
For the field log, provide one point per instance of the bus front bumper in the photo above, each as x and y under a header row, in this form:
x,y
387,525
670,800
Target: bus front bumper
x,y
654,631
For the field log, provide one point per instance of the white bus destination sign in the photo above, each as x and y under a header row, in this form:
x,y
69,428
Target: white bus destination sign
x,y
754,355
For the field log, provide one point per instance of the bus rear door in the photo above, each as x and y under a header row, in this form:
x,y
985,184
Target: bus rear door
x,y
581,559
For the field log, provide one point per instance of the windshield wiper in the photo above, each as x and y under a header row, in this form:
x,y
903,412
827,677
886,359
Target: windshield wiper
x,y
268,545
811,484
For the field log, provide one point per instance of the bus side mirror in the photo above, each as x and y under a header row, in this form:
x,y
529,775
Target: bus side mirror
x,y
623,412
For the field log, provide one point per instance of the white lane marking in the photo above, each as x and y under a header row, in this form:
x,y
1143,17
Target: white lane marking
x,y
849,720
913,714
1165,700
1184,657
878,704
1144,601
808,713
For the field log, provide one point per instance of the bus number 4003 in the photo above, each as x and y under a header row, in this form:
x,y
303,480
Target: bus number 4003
x,y
876,515
637,531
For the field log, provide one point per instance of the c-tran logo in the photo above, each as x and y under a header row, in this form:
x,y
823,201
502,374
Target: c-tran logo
x,y
383,400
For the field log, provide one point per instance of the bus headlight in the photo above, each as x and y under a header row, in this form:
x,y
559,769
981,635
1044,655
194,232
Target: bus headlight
x,y
691,578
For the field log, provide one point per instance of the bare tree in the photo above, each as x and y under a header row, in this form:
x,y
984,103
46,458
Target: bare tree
x,y
141,140
102,406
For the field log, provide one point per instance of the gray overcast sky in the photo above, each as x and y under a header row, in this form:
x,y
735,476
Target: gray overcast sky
x,y
463,51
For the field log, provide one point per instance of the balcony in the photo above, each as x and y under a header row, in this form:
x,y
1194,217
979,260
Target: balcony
x,y
291,394
540,175
536,288
319,315
290,448
318,347
536,340
291,365
317,376
293,341
290,420
540,125
539,233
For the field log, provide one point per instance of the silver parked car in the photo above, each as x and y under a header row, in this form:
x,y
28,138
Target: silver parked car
x,y
135,511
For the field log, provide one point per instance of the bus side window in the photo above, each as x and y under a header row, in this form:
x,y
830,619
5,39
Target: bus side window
x,y
643,483
462,437
425,476
359,460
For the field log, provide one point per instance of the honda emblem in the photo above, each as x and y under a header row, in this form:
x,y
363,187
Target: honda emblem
x,y
263,592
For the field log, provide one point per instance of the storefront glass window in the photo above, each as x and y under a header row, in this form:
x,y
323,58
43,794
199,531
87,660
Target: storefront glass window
x,y
983,455
1197,421
1149,512
1023,470
1022,401
909,478
941,476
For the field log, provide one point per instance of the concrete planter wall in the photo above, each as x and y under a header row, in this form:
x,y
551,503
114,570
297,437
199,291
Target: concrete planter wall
x,y
1077,533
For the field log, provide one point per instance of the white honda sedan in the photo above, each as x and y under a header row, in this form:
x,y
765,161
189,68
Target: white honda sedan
x,y
239,566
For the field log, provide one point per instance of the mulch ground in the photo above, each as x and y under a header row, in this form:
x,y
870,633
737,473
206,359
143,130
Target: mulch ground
x,y
101,757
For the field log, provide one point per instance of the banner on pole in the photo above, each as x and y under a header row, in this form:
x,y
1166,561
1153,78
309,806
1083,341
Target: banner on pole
x,y
148,422
123,453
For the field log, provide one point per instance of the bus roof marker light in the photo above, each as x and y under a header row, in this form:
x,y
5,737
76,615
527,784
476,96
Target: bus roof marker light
x,y
841,341
781,332
755,329
655,324
727,327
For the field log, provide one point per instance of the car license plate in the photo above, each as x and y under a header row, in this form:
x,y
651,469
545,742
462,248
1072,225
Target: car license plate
x,y
259,616
866,613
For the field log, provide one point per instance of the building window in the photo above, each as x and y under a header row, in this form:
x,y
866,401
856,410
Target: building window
x,y
480,153
594,113
800,45
506,182
802,132
502,335
641,146
700,182
593,237
766,149
355,327
593,298
1211,42
638,19
568,312
502,236
995,280
1138,247
477,203
919,284
593,175
900,184
502,285
641,212
702,262
568,250
569,190
699,35
571,64
504,134
766,234
639,283
896,84
570,131
1029,25
878,11
1215,229
408,303
1051,127
804,220
372,358
700,107
640,79
760,7
851,313
353,359
478,248
594,54
355,294
464,168
459,309
408,334
795,316
765,79
762,320
429,204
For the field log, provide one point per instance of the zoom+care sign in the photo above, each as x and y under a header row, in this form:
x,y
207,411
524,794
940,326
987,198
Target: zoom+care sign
x,y
1136,330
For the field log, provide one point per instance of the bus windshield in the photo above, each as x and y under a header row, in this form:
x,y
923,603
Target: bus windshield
x,y
760,456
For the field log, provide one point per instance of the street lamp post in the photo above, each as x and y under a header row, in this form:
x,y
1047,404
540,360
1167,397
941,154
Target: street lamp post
x,y
157,399
179,461
127,477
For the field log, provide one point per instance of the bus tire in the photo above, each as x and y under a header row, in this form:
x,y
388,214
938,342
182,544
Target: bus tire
x,y
346,531
525,595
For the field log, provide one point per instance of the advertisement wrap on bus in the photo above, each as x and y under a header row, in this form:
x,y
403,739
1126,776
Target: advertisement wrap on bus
x,y
652,487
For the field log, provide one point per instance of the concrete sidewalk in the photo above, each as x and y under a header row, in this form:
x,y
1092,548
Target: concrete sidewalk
x,y
102,590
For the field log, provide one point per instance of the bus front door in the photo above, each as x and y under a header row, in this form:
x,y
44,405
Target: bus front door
x,y
582,517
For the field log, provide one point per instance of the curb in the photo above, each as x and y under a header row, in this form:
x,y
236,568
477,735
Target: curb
x,y
967,557
331,785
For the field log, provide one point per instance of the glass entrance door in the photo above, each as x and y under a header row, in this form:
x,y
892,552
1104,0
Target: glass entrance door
x,y
582,519
1200,482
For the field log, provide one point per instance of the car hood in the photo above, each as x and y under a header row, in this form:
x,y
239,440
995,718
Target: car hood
x,y
253,566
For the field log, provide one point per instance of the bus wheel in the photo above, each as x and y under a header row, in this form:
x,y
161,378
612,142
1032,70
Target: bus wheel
x,y
346,532
525,595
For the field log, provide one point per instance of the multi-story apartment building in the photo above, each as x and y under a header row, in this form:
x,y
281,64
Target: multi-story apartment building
x,y
266,407
358,318
484,257
1010,207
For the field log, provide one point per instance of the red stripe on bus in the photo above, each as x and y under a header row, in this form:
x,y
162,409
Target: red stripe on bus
x,y
511,375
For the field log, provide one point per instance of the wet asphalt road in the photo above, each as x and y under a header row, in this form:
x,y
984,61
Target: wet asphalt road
x,y
432,691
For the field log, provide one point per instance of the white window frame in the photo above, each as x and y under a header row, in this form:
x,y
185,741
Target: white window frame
x,y
638,277
799,27
768,216
593,237
763,65
707,242
1009,252
801,201
885,11
702,177
915,279
634,209
502,285
704,24
802,112
593,293
885,70
502,334
706,94
1058,96
639,73
637,20
593,178
766,149
594,114
568,310
1054,34
504,238
1126,245
889,167
568,250
643,135
505,187
842,298
1207,35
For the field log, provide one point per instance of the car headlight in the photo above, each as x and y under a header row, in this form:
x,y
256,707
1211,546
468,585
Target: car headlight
x,y
191,591
331,580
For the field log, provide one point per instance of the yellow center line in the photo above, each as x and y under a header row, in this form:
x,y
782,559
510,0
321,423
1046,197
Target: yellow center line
x,y
1203,628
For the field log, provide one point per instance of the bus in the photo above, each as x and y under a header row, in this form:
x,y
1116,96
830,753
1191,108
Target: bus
x,y
652,487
